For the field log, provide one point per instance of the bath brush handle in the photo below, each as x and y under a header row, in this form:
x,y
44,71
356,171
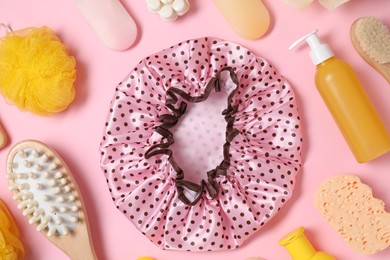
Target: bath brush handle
x,y
3,137
385,70
358,36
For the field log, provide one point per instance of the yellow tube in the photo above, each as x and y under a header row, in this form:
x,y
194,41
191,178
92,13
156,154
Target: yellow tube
x,y
352,110
299,247
249,18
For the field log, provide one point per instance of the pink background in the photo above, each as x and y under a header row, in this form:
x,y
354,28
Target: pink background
x,y
76,133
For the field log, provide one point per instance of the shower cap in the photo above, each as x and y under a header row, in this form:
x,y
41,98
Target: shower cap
x,y
260,153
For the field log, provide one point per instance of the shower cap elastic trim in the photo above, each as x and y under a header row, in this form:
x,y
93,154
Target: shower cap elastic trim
x,y
170,120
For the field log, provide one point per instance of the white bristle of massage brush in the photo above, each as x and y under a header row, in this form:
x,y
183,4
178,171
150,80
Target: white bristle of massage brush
x,y
19,186
58,175
35,154
34,219
44,223
45,158
53,209
52,183
66,189
52,230
65,230
61,199
32,175
24,186
11,176
13,165
13,186
46,175
63,209
73,219
28,211
59,220
46,197
32,203
62,181
39,186
27,195
23,154
74,208
38,212
17,196
23,204
71,198
22,175
43,193
38,167
57,190
27,164
52,166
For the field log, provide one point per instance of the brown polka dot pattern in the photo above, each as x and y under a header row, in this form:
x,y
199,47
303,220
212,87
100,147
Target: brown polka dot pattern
x,y
265,155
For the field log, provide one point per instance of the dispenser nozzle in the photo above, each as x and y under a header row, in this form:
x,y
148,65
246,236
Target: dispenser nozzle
x,y
302,39
319,51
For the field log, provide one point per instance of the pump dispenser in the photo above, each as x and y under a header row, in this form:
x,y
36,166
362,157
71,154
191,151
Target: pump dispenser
x,y
347,101
320,52
299,247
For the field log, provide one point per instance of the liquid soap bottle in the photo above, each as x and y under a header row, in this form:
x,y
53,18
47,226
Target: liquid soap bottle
x,y
347,101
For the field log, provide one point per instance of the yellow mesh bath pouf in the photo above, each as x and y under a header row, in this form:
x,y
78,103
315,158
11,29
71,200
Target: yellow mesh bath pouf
x,y
36,71
10,246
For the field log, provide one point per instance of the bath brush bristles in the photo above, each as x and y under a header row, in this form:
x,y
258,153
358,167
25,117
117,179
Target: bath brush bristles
x,y
47,194
298,4
371,39
332,4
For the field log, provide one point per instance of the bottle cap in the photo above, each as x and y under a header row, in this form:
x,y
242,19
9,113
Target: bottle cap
x,y
320,52
300,248
297,245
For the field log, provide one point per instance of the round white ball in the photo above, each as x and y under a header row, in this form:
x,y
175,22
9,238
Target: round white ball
x,y
181,6
154,5
167,13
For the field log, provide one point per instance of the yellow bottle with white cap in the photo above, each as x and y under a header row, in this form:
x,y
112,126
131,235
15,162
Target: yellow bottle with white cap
x,y
299,247
347,101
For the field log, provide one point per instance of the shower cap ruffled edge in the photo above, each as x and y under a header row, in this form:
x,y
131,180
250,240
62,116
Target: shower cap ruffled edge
x,y
149,188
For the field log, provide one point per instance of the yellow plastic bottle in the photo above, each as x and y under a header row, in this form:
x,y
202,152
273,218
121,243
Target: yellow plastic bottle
x,y
249,18
299,247
348,103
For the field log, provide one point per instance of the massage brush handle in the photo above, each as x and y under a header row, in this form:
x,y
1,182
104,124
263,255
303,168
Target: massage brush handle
x,y
81,246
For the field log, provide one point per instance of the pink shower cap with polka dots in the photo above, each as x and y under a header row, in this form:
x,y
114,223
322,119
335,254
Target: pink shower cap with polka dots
x,y
242,181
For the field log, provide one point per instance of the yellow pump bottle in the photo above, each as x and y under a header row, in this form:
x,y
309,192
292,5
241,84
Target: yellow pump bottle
x,y
348,103
299,247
